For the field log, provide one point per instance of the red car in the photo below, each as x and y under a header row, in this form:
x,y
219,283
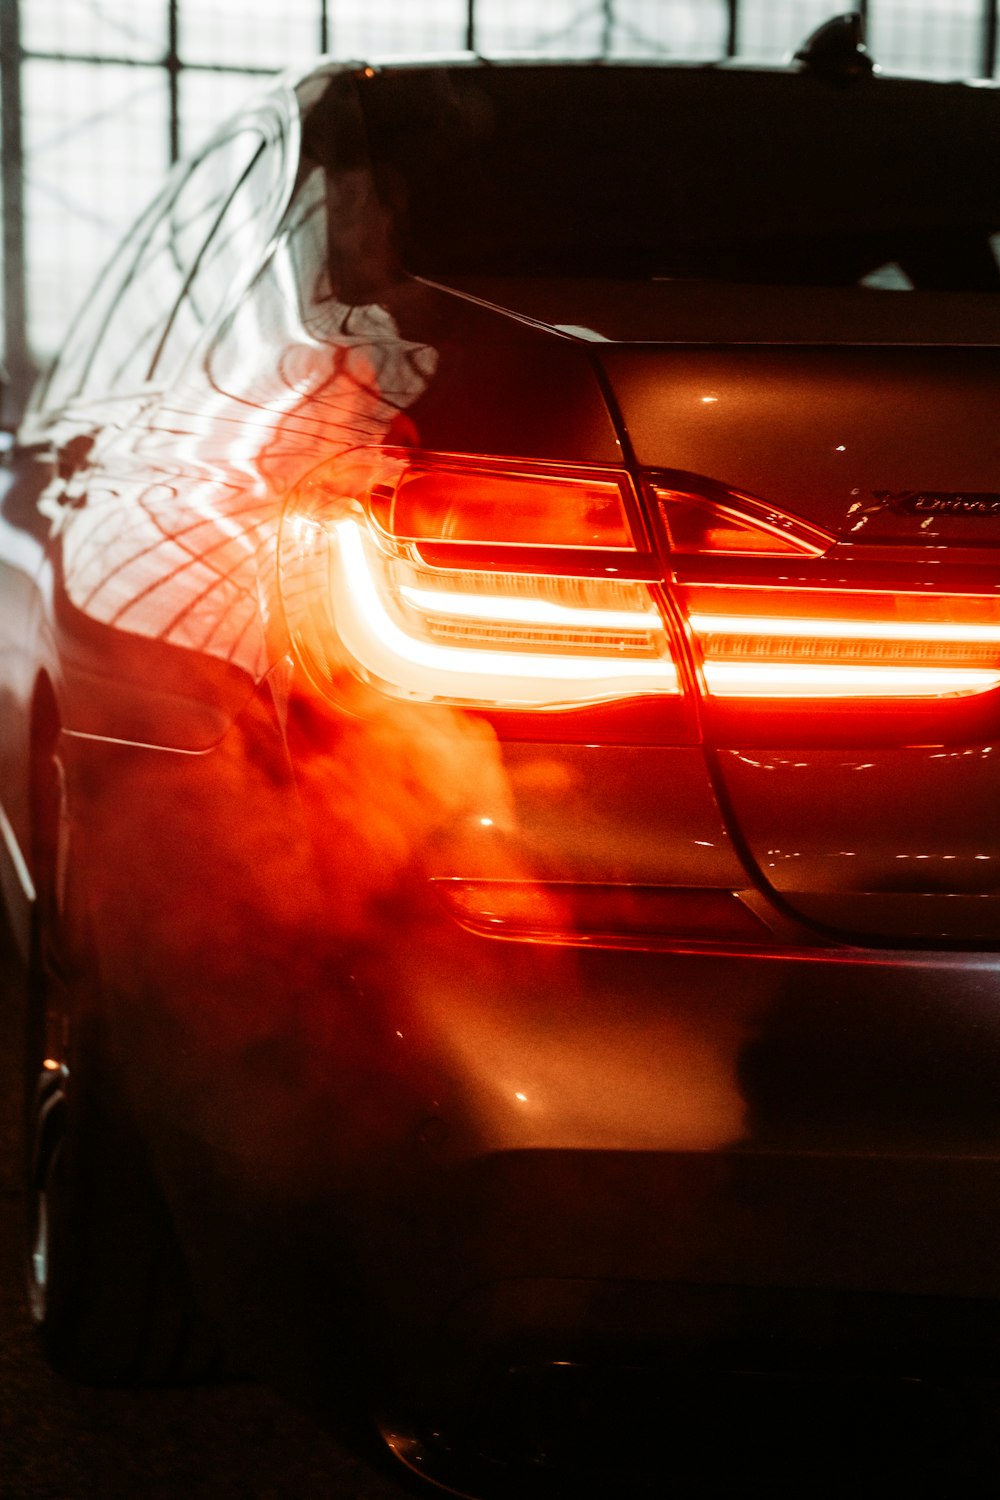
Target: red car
x,y
499,694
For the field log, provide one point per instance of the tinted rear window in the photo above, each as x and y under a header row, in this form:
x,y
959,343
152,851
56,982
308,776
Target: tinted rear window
x,y
691,172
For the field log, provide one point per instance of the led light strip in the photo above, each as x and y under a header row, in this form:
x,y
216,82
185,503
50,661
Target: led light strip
x,y
429,670
507,608
854,630
740,679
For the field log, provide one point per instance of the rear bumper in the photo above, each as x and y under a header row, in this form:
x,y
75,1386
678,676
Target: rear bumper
x,y
523,1149
702,1430
719,1262
743,1316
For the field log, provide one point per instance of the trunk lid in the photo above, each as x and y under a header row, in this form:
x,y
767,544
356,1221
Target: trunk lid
x,y
877,819
873,417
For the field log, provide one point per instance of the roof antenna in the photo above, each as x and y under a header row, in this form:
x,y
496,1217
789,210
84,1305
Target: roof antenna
x,y
836,52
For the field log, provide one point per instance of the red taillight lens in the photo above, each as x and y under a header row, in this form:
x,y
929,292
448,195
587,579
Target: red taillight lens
x,y
504,587
695,525
826,643
448,499
436,579
788,632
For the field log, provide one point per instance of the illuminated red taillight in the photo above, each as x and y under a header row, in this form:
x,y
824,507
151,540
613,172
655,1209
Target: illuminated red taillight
x,y
825,643
432,498
509,586
744,527
435,578
794,632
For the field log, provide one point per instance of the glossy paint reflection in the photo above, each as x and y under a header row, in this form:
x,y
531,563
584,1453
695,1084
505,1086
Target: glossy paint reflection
x,y
831,833
326,819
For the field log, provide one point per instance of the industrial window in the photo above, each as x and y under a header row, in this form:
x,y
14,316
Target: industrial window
x,y
111,91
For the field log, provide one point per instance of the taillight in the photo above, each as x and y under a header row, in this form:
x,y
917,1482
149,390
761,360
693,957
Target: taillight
x,y
513,588
735,526
483,584
828,643
426,498
815,624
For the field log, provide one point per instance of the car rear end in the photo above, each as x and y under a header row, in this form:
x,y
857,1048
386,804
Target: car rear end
x,y
583,941
696,988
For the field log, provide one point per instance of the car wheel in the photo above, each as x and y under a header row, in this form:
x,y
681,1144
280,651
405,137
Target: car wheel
x,y
107,1283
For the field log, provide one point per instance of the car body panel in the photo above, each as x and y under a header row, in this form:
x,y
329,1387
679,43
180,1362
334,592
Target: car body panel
x,y
800,429
882,862
786,1106
19,627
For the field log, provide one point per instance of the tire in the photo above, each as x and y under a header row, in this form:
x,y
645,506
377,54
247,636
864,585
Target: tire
x,y
107,1283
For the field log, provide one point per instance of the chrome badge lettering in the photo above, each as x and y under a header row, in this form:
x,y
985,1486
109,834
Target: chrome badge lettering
x,y
937,503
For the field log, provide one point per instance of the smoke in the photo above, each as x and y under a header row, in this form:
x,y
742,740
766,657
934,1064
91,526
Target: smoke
x,y
285,981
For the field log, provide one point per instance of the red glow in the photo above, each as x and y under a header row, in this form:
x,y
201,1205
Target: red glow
x,y
695,524
443,499
600,914
359,596
731,679
866,644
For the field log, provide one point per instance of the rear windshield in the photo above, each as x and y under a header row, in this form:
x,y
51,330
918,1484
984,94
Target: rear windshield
x,y
675,172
